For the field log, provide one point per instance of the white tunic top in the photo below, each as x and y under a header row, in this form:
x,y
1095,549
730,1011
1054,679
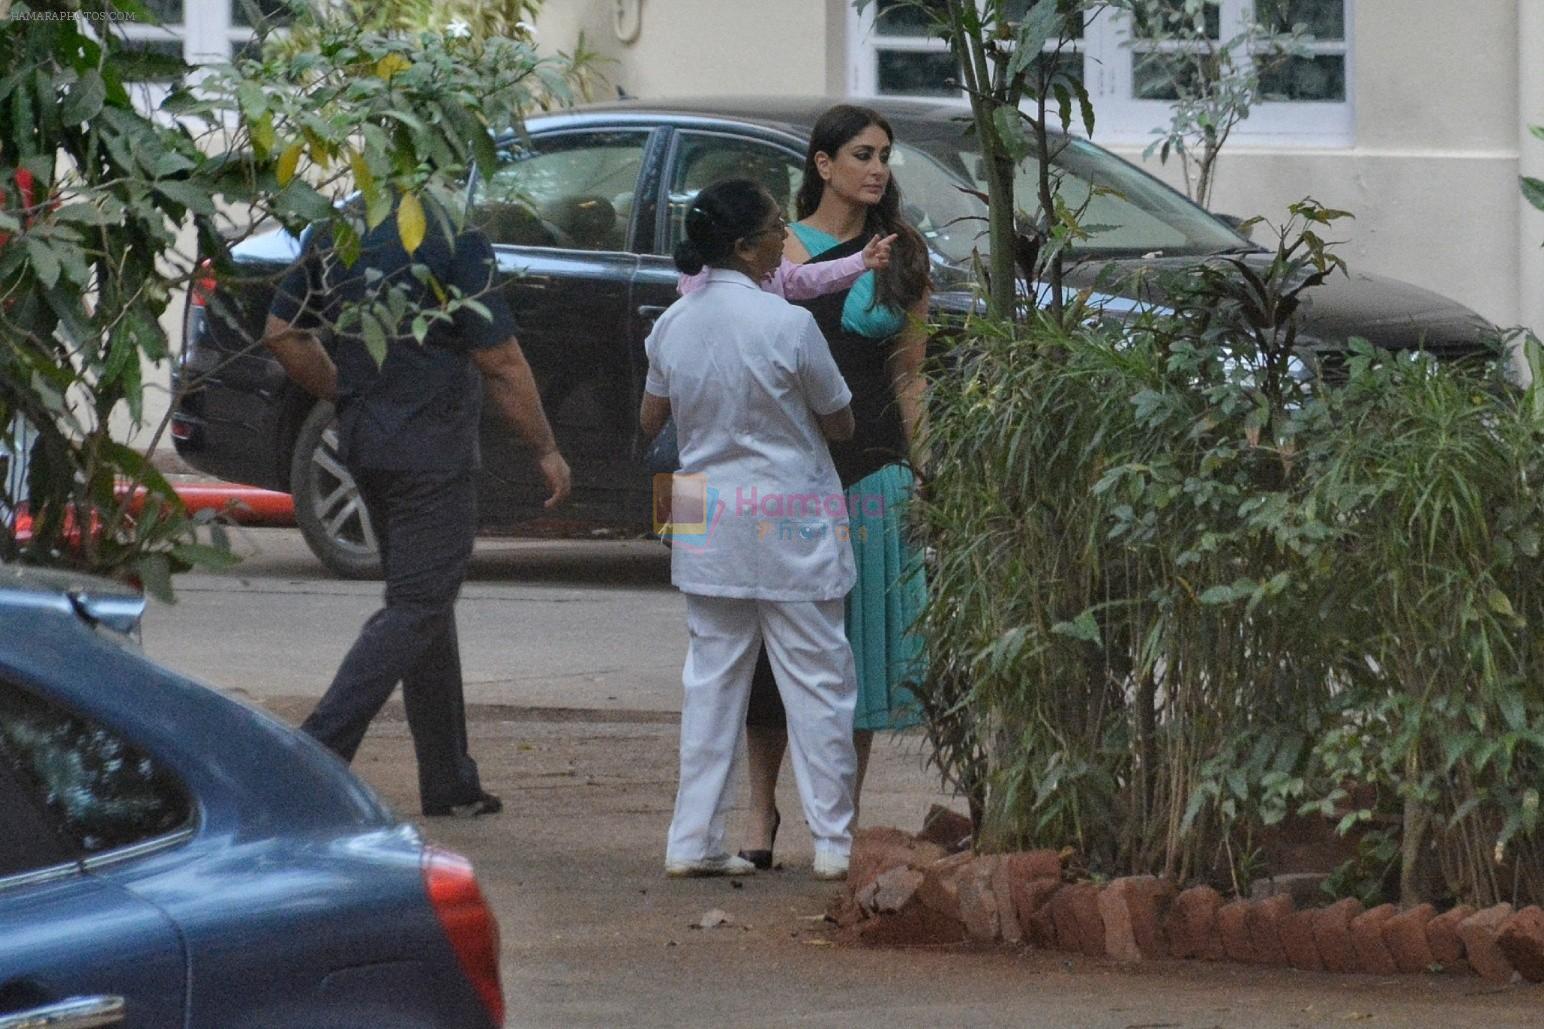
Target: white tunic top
x,y
758,510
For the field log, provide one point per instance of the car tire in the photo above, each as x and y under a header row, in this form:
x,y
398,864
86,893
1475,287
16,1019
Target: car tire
x,y
328,508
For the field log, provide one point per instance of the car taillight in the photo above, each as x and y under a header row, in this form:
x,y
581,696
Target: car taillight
x,y
203,284
468,923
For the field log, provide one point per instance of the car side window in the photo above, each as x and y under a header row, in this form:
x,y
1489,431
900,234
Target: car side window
x,y
573,191
101,790
703,158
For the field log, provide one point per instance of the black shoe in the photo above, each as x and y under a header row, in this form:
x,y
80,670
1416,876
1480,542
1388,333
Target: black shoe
x,y
762,859
484,803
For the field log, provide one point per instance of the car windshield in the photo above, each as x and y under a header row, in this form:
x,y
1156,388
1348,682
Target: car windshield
x,y
1124,210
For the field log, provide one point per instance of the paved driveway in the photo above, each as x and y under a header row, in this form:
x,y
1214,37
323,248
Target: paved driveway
x,y
572,652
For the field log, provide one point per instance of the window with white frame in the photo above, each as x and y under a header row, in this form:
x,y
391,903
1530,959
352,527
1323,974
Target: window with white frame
x,y
1308,97
200,31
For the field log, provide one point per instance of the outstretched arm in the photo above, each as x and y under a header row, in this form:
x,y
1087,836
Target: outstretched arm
x,y
807,281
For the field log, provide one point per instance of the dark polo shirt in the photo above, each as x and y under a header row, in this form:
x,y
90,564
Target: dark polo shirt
x,y
420,409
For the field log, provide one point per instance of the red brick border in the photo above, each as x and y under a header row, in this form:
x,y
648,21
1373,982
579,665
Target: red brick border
x,y
906,891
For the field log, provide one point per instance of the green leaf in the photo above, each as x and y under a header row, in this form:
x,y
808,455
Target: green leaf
x,y
1228,594
377,206
205,556
155,571
1040,25
1198,799
263,136
45,264
374,337
1533,191
188,195
1513,710
364,179
1500,604
82,214
1085,105
1010,131
1084,627
84,100
301,200
1537,130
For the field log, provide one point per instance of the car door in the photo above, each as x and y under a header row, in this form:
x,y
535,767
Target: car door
x,y
78,947
560,213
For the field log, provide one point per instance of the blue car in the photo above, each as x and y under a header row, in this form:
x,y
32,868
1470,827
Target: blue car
x,y
170,857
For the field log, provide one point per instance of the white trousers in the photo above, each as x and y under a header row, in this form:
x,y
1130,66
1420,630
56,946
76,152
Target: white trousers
x,y
807,644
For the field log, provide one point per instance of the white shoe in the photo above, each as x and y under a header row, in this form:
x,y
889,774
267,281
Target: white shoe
x,y
722,864
830,867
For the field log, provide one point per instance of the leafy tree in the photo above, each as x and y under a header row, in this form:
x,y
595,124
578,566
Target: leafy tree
x,y
93,190
1212,81
1006,61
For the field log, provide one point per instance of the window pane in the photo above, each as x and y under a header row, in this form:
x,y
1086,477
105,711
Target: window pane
x,y
269,12
896,18
917,73
1324,19
1163,76
167,11
1128,212
574,192
29,841
1014,10
1167,18
704,160
1322,77
104,791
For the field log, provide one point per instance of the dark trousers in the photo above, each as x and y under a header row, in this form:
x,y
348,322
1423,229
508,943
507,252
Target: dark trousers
x,y
423,522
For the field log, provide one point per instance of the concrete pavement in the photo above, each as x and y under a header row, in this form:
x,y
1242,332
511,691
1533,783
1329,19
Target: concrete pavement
x,y
573,652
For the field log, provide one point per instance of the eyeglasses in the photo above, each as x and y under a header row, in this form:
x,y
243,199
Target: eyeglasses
x,y
780,227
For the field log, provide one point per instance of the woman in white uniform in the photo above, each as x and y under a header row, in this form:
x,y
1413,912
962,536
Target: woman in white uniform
x,y
755,395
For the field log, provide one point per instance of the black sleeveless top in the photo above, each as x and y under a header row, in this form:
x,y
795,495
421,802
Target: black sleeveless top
x,y
879,439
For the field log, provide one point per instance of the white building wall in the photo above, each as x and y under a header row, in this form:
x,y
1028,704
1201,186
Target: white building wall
x,y
1432,175
708,47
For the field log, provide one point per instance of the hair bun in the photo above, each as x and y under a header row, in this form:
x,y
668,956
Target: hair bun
x,y
688,257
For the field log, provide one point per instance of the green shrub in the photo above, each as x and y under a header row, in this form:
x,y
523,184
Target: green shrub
x,y
1188,582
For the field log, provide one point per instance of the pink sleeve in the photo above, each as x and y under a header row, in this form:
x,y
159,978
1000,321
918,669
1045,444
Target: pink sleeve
x,y
686,283
805,281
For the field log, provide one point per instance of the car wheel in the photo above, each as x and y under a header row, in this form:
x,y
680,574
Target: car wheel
x,y
328,508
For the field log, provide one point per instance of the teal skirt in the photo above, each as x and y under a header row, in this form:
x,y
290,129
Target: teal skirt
x,y
886,603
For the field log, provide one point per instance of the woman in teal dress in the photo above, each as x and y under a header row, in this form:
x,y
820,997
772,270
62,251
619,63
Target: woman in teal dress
x,y
877,333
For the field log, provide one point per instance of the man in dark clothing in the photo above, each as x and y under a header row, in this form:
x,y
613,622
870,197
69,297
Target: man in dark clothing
x,y
408,434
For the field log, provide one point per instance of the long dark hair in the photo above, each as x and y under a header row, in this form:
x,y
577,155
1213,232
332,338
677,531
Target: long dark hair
x,y
722,215
906,279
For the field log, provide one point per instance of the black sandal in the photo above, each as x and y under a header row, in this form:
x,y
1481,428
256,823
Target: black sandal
x,y
762,859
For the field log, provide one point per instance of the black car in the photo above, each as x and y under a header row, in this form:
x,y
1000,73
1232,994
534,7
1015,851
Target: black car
x,y
584,217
